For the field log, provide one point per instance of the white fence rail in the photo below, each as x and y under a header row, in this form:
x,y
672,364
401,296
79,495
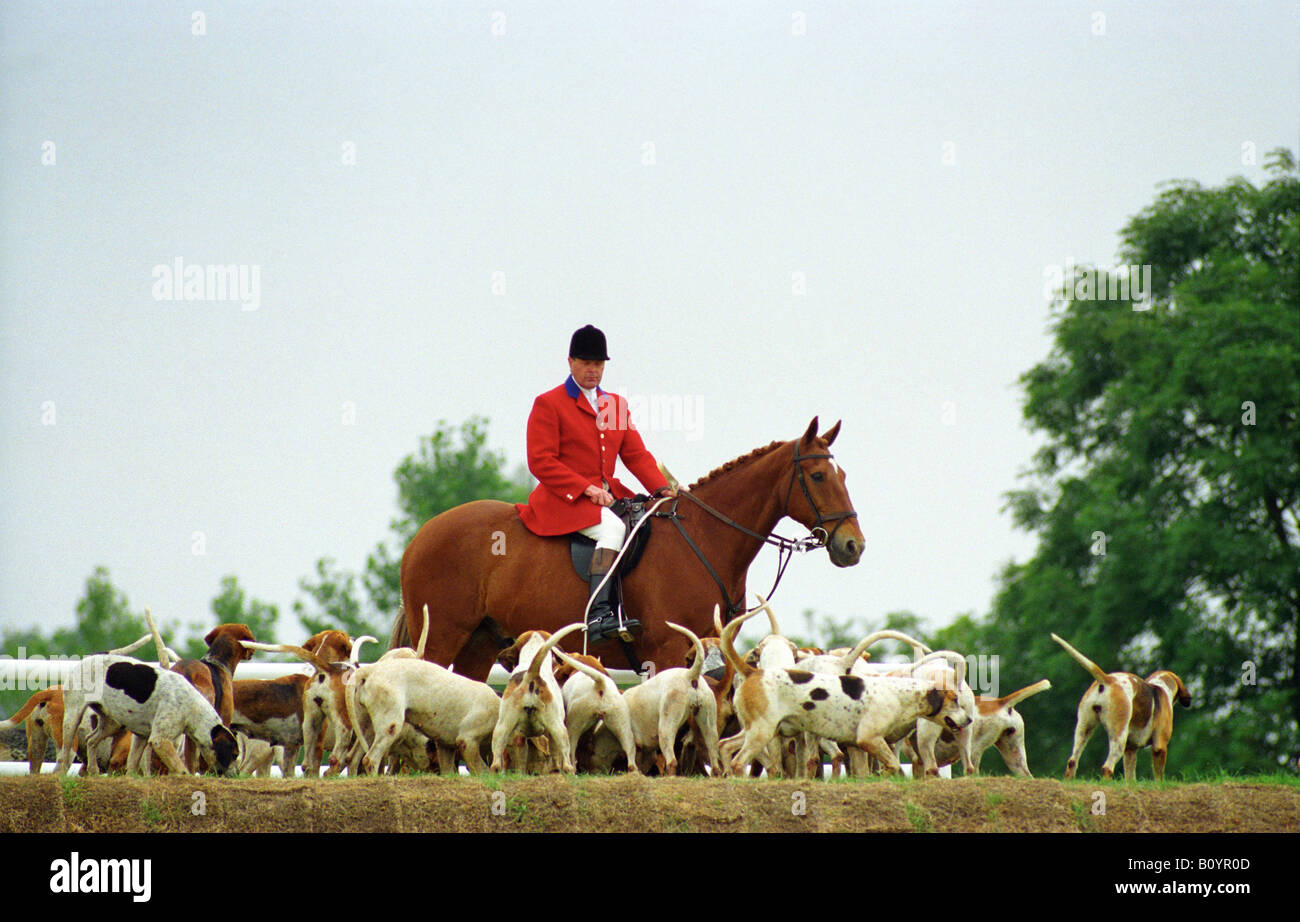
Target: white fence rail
x,y
35,674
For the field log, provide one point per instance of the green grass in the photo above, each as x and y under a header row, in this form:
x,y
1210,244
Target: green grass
x,y
73,791
919,819
152,815
994,799
1082,815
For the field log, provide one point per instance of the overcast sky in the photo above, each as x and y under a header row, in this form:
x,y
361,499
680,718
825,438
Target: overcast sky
x,y
774,211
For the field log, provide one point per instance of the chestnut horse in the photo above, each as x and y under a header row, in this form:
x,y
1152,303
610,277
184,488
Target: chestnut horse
x,y
486,577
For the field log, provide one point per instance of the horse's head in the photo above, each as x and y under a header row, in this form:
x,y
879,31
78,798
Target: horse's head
x,y
822,503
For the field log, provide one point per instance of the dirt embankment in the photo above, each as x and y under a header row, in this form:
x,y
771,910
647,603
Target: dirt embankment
x,y
620,804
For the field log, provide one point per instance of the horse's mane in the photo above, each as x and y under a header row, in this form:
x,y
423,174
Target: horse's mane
x,y
735,463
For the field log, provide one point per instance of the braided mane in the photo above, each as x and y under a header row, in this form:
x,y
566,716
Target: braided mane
x,y
733,464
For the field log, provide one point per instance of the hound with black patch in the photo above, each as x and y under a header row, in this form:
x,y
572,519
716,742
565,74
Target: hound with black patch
x,y
43,712
1135,712
842,708
152,703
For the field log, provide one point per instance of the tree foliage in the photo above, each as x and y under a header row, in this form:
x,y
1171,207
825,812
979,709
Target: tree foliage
x,y
106,621
1165,496
450,467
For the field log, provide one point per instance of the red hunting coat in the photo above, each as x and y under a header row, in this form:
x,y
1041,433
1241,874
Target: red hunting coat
x,y
572,447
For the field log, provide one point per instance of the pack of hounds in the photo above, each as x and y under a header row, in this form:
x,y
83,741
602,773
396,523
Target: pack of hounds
x,y
781,710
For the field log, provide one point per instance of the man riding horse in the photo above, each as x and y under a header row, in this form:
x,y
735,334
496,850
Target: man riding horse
x,y
576,433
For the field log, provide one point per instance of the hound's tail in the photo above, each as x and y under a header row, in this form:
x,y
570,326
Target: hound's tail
x,y
698,665
163,659
535,667
1011,700
766,606
595,675
847,661
16,719
131,647
952,656
354,656
356,679
1097,672
302,653
424,634
728,649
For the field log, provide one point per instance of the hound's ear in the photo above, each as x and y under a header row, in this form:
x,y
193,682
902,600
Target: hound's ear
x,y
832,432
811,433
211,635
935,699
509,657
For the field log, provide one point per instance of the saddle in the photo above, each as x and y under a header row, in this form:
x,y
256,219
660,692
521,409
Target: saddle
x,y
581,548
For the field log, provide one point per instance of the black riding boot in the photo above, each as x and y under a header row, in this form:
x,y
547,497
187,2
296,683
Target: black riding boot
x,y
602,622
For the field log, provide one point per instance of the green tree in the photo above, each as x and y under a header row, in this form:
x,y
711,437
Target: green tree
x,y
1165,495
337,603
450,467
104,622
232,606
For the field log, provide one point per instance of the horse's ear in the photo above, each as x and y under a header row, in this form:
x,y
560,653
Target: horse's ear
x,y
832,432
811,433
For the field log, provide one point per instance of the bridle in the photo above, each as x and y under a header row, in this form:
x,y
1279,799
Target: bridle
x,y
839,518
786,547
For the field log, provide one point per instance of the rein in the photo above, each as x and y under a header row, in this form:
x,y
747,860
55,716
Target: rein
x,y
786,547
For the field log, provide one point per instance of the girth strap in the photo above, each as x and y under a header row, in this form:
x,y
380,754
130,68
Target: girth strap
x,y
733,608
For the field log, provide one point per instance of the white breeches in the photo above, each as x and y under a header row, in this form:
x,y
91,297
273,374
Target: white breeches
x,y
608,532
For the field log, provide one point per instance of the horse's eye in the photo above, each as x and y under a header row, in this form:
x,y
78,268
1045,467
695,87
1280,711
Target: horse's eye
x,y
818,477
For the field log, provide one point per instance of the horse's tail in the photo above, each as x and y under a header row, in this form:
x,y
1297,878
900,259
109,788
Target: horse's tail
x,y
399,636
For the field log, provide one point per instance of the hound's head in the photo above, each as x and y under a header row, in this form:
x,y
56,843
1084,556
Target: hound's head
x,y
330,646
224,642
715,663
1173,684
510,656
225,748
945,709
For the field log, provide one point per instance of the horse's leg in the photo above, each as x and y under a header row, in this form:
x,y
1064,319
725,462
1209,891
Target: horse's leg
x,y
476,658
